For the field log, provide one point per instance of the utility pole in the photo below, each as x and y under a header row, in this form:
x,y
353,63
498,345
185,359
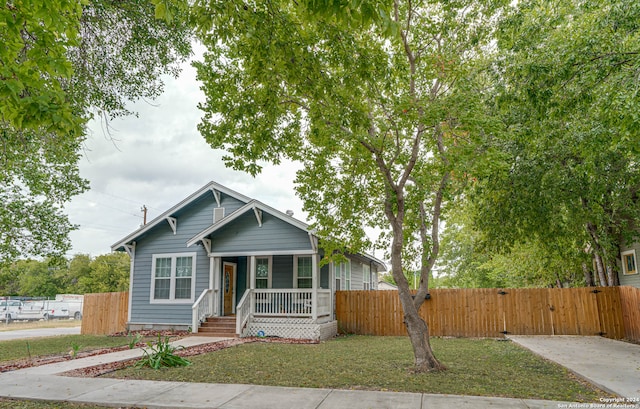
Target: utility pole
x,y
143,209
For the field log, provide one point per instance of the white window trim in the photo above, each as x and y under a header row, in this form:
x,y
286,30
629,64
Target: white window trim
x,y
172,279
269,277
347,280
342,274
366,276
295,270
624,265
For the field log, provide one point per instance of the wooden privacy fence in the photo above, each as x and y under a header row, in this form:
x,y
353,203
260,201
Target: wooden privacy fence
x,y
105,313
607,311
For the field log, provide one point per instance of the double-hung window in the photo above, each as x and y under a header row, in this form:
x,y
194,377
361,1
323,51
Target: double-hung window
x,y
304,271
343,276
366,277
173,278
263,272
629,265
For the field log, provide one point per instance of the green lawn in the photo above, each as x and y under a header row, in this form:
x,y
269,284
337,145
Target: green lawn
x,y
482,367
63,344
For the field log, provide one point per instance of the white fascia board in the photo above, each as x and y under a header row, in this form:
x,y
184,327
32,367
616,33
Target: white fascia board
x,y
209,186
282,216
226,220
264,253
256,206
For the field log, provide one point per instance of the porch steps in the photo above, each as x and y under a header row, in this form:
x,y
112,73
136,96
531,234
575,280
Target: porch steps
x,y
218,327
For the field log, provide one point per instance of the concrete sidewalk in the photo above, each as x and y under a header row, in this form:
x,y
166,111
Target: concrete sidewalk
x,y
43,383
611,365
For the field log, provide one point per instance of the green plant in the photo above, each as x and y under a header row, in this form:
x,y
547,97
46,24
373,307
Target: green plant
x,y
133,340
75,347
161,355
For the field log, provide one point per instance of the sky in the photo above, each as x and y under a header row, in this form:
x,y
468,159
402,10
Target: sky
x,y
157,159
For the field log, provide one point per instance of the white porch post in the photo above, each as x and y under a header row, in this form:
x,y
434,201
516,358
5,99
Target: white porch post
x,y
252,283
315,276
215,285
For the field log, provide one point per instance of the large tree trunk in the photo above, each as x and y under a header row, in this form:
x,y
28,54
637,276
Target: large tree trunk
x,y
602,277
588,276
612,276
417,328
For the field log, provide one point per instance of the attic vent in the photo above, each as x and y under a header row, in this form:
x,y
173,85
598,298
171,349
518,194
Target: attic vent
x,y
218,214
290,213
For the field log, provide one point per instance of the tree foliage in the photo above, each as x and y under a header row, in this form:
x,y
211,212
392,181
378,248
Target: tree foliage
x,y
379,115
567,90
80,275
61,64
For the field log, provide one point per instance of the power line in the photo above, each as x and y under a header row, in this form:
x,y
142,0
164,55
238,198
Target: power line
x,y
110,207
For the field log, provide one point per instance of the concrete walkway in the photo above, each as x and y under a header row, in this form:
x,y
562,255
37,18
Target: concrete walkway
x,y
611,365
45,383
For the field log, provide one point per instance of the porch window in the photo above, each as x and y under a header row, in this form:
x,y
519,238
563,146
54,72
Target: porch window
x,y
366,277
343,276
173,279
304,271
629,265
263,272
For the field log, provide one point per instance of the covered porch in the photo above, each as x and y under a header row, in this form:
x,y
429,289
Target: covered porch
x,y
281,294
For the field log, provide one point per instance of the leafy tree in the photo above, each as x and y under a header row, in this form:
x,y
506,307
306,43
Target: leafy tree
x,y
380,116
468,262
80,275
64,62
37,278
569,80
108,272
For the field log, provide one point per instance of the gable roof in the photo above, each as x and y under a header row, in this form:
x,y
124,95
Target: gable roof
x,y
256,206
216,189
212,187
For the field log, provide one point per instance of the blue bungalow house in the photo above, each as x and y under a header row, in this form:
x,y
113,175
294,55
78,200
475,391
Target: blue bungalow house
x,y
224,264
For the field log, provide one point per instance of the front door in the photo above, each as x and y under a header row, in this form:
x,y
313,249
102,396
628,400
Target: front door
x,y
228,285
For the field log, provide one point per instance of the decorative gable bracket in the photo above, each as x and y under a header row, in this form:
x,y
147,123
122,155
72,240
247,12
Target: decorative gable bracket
x,y
173,222
207,245
314,242
216,195
258,214
130,249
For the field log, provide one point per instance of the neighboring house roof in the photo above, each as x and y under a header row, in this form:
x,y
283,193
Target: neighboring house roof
x,y
383,285
250,205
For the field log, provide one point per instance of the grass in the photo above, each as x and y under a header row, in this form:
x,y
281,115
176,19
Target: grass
x,y
482,367
24,404
30,348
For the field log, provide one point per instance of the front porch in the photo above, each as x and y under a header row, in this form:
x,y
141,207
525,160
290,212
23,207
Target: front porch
x,y
243,287
284,313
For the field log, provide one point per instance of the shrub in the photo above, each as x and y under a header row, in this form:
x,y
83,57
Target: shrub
x,y
161,355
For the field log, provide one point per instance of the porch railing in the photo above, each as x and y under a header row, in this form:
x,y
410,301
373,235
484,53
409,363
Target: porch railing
x,y
243,311
201,309
289,303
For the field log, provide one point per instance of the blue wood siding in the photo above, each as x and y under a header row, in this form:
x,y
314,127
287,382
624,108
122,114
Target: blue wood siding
x,y
159,240
244,234
282,272
630,279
